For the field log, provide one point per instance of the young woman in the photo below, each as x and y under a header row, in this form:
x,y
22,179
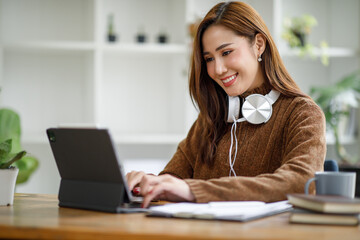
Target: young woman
x,y
269,148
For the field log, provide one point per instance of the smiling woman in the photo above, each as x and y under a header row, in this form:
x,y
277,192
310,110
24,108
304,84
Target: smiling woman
x,y
226,155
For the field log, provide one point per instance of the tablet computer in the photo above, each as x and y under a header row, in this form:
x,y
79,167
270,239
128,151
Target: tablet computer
x,y
92,175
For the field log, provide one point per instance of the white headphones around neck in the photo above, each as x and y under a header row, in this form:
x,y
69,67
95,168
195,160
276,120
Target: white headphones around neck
x,y
256,108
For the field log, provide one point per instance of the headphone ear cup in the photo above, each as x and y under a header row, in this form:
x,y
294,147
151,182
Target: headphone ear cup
x,y
256,109
233,108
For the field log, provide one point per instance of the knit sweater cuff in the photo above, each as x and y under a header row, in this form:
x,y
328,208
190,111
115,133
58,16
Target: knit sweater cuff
x,y
197,190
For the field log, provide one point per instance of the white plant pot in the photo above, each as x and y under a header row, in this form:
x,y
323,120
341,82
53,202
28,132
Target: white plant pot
x,y
7,185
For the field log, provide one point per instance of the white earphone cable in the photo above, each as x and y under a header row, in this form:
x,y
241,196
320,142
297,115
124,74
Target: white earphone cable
x,y
233,136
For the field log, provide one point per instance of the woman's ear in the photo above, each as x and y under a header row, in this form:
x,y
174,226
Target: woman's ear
x,y
260,43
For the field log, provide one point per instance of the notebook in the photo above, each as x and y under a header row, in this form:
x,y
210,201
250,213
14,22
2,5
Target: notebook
x,y
241,211
92,175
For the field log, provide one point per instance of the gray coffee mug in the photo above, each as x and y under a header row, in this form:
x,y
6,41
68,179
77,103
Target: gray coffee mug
x,y
333,183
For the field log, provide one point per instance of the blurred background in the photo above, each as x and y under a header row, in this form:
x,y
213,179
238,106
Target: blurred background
x,y
123,65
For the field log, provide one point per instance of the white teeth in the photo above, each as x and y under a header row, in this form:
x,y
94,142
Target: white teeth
x,y
229,79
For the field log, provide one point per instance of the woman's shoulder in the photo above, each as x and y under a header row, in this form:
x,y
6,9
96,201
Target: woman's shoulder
x,y
301,107
300,103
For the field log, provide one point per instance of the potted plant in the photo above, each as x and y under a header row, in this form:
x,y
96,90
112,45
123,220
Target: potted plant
x,y
14,162
296,32
338,102
8,173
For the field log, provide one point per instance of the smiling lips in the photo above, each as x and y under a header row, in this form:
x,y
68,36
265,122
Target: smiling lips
x,y
228,81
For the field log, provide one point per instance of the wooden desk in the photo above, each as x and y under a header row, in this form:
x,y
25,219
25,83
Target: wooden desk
x,y
35,216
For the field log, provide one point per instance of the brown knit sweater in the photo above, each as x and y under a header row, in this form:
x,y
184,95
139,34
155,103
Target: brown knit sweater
x,y
273,159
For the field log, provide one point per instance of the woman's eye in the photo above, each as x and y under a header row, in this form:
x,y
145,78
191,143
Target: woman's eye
x,y
226,53
209,59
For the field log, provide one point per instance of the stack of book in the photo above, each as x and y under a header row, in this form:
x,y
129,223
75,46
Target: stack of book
x,y
323,209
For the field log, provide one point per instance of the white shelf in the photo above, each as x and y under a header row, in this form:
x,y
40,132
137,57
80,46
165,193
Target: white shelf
x,y
143,139
49,45
347,140
317,52
108,47
149,139
340,52
154,48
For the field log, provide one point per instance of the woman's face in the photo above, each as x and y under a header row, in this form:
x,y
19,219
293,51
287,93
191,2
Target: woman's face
x,y
231,60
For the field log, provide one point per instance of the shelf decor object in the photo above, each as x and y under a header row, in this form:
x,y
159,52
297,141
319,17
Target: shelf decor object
x,y
162,37
296,33
111,33
141,36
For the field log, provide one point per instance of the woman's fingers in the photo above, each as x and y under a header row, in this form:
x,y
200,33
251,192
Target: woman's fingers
x,y
133,178
147,183
165,187
153,194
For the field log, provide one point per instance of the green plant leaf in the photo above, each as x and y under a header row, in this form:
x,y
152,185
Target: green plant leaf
x,y
27,165
17,157
5,149
351,81
10,128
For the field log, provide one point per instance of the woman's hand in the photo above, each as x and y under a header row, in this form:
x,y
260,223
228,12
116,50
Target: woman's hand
x,y
133,179
164,187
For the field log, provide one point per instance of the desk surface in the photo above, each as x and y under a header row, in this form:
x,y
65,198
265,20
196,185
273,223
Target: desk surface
x,y
37,216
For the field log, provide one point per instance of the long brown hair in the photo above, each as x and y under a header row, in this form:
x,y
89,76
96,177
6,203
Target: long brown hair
x,y
209,97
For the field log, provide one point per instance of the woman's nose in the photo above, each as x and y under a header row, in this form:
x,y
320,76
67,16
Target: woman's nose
x,y
220,67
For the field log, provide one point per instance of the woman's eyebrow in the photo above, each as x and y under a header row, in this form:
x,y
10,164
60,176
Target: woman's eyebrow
x,y
219,47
